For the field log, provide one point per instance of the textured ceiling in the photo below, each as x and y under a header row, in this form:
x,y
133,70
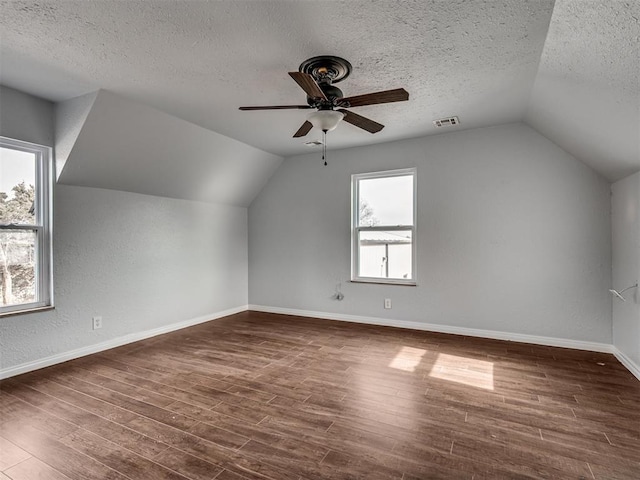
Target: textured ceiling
x,y
586,96
569,68
201,60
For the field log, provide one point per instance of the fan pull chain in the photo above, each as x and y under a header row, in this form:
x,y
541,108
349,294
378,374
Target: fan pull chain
x,y
324,147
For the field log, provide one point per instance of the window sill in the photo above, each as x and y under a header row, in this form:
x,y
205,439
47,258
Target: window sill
x,y
27,311
381,282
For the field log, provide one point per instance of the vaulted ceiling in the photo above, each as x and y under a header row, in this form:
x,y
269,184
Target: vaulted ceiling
x,y
586,94
568,68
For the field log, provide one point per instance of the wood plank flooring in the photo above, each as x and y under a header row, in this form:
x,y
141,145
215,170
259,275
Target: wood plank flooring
x,y
267,397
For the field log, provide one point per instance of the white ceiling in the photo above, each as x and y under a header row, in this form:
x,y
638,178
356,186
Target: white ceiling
x,y
122,145
200,61
586,96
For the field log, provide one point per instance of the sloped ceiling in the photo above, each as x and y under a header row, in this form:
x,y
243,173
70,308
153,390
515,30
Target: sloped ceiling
x,y
487,61
70,117
586,95
124,145
200,60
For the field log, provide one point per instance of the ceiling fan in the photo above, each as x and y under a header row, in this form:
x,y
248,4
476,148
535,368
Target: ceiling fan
x,y
316,77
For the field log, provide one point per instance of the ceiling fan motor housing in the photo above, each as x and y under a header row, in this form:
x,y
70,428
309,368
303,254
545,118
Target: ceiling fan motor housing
x,y
332,92
316,77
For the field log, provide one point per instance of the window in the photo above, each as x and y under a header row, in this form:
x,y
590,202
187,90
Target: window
x,y
25,226
384,227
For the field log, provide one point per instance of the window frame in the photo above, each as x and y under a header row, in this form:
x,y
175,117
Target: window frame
x,y
42,227
356,229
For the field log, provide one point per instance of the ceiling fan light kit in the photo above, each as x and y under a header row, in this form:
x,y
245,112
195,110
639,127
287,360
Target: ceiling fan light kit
x,y
316,77
326,120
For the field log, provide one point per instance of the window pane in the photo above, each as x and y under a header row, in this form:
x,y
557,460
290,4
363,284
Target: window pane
x,y
385,254
385,201
17,267
17,180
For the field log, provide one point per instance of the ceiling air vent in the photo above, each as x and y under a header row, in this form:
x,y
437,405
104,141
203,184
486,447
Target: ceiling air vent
x,y
446,122
313,143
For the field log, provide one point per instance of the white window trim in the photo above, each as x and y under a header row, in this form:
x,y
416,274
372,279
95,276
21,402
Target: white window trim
x,y
43,226
355,228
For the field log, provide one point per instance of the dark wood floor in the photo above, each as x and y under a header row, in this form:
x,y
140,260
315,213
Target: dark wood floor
x,y
260,396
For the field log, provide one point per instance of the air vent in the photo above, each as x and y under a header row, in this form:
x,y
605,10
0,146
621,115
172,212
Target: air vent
x,y
313,143
446,122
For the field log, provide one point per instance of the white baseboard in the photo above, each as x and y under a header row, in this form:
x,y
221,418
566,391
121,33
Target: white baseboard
x,y
627,362
431,327
116,342
472,332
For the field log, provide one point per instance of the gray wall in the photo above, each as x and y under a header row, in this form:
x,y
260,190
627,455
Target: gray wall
x,y
140,262
26,118
513,236
626,266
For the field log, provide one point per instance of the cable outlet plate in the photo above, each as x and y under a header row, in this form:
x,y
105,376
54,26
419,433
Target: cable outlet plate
x,y
97,323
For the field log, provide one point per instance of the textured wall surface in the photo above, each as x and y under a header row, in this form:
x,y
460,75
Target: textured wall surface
x,y
140,262
513,236
626,265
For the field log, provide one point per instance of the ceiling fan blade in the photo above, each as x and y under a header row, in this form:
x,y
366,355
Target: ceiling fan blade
x,y
308,84
361,122
387,96
303,130
278,107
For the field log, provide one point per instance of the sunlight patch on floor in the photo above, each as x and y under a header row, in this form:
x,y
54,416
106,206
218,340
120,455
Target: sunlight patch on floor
x,y
407,359
468,371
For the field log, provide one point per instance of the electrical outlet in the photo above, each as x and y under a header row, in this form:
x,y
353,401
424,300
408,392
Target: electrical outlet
x,y
387,303
97,323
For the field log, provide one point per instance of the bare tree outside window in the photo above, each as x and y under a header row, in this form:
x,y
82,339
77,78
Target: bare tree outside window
x,y
25,236
17,255
366,214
